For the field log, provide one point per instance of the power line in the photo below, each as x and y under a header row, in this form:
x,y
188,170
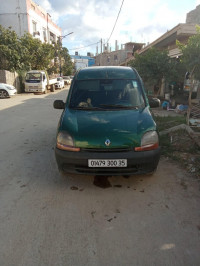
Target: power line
x,y
115,21
79,48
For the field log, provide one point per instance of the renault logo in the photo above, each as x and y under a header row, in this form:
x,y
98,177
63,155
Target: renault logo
x,y
107,142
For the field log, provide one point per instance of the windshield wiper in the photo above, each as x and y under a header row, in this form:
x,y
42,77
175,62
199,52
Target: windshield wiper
x,y
86,108
120,106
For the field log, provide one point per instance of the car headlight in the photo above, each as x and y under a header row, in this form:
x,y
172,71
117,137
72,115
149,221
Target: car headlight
x,y
65,142
10,88
149,141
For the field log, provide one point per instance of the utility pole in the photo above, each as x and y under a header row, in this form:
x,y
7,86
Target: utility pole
x,y
101,53
60,48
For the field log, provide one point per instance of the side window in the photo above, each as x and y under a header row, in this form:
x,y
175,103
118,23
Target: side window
x,y
34,24
44,34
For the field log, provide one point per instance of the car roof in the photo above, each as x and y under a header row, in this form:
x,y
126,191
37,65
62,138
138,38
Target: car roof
x,y
102,72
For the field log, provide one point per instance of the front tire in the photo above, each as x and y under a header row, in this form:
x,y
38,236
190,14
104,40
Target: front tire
x,y
3,94
45,91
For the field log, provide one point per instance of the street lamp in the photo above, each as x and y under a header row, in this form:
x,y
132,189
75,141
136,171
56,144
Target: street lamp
x,y
60,46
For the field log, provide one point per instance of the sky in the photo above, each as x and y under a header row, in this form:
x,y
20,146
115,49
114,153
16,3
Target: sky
x,y
141,21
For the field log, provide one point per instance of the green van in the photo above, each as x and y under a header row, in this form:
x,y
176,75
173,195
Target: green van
x,y
106,127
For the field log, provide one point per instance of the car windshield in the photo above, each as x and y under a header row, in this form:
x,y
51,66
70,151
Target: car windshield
x,y
34,76
106,94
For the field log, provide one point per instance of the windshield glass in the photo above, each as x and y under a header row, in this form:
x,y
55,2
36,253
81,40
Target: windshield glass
x,y
108,93
34,76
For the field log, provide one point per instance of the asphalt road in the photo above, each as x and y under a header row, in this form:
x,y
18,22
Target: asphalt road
x,y
47,219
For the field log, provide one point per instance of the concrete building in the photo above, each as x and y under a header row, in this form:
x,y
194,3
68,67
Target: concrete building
x,y
194,16
167,41
81,61
26,16
118,57
181,32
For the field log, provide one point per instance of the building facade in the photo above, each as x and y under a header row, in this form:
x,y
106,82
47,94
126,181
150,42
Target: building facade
x,y
26,16
181,32
194,16
82,61
118,57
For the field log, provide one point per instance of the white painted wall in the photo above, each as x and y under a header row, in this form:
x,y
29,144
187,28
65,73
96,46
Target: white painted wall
x,y
13,14
81,63
42,23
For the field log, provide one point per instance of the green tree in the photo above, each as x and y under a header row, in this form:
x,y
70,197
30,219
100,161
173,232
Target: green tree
x,y
191,59
38,55
27,52
11,50
154,66
68,66
191,54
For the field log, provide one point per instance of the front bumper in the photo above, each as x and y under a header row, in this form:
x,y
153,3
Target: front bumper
x,y
137,162
33,89
12,92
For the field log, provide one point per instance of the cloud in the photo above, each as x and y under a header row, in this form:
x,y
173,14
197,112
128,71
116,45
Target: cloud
x,y
91,20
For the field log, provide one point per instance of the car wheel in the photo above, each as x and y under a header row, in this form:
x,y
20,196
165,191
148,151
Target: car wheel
x,y
3,94
52,88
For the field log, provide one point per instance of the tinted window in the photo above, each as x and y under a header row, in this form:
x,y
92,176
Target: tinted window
x,y
106,92
106,73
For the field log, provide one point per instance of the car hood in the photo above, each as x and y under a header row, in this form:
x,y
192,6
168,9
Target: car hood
x,y
6,86
90,129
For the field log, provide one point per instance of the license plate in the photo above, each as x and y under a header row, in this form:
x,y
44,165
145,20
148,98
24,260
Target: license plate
x,y
107,163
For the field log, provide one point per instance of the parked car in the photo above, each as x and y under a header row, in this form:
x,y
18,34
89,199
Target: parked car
x,y
106,127
67,80
60,83
7,90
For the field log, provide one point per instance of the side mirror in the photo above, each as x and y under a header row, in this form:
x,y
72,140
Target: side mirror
x,y
59,104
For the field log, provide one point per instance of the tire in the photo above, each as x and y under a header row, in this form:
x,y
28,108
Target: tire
x,y
45,91
4,94
52,88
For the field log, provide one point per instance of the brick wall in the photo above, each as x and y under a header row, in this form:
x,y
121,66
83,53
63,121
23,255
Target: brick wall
x,y
10,78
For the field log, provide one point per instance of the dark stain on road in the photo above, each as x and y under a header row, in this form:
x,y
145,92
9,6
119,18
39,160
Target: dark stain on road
x,y
126,176
74,188
117,185
93,213
109,220
101,181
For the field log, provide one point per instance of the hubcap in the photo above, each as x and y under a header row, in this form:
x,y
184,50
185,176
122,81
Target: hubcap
x,y
3,94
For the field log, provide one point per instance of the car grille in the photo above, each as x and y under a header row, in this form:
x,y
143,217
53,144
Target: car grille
x,y
107,150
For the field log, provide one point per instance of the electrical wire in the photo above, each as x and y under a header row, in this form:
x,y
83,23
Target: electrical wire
x,y
115,21
79,48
